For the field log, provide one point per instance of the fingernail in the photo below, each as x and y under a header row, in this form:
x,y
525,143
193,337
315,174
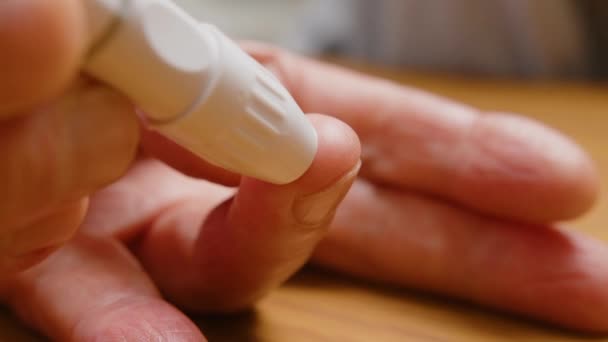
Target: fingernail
x,y
314,209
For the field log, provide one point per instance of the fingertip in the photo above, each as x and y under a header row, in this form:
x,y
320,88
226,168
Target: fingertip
x,y
572,177
568,180
578,186
339,151
536,173
312,198
41,42
583,178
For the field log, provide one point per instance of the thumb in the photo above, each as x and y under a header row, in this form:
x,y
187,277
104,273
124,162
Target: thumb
x,y
41,42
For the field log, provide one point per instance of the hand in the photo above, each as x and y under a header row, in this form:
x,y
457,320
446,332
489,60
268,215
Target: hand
x,y
94,228
458,202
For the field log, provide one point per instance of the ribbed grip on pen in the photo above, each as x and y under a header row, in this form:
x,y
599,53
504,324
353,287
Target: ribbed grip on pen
x,y
250,123
198,88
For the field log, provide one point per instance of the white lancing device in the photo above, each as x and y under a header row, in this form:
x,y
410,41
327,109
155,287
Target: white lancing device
x,y
199,89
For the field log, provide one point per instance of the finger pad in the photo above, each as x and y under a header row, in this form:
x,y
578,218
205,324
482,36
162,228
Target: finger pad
x,y
522,169
137,319
339,151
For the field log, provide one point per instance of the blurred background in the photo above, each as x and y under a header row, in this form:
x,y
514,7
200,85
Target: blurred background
x,y
266,20
515,38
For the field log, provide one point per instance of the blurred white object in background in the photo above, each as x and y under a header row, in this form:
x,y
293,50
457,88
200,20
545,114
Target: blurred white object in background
x,y
265,20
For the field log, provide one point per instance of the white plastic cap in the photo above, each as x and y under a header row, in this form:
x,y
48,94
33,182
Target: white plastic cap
x,y
199,89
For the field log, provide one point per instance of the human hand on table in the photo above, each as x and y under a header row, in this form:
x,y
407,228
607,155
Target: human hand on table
x,y
457,202
421,214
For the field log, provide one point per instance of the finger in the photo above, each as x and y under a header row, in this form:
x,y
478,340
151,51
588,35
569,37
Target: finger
x,y
546,273
125,208
93,290
185,161
42,43
30,245
61,153
252,243
496,163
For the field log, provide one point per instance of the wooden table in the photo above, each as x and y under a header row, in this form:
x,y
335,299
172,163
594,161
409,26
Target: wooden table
x,y
318,306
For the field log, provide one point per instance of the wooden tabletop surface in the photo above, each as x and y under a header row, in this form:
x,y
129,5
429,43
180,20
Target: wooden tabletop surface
x,y
319,306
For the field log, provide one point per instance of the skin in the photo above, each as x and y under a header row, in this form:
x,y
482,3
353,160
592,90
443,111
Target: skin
x,y
92,227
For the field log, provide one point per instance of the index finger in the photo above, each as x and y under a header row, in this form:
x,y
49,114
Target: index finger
x,y
41,42
499,164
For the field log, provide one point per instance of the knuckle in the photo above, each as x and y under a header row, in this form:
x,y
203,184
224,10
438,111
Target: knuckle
x,y
43,236
31,177
110,135
65,150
